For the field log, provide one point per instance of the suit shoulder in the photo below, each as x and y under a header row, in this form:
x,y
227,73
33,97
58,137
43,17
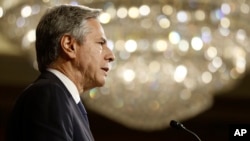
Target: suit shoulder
x,y
44,85
45,89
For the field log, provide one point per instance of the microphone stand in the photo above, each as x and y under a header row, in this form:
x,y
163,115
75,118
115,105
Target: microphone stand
x,y
179,125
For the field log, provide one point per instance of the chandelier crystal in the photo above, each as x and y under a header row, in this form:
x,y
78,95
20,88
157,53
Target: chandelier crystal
x,y
171,57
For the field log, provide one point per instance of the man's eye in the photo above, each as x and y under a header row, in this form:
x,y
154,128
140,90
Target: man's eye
x,y
101,43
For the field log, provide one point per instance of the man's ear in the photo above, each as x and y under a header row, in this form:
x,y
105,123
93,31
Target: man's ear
x,y
68,45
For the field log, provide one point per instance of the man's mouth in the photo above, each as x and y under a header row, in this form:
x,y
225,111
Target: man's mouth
x,y
105,69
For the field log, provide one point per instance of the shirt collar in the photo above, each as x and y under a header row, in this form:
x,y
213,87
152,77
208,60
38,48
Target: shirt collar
x,y
68,84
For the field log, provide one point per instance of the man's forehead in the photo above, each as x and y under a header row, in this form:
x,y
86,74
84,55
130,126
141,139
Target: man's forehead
x,y
97,29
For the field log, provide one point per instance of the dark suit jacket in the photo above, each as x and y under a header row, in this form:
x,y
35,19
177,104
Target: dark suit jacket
x,y
46,111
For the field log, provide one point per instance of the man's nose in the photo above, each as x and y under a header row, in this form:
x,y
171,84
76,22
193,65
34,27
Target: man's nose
x,y
110,55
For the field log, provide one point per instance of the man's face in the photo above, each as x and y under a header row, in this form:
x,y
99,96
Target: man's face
x,y
94,56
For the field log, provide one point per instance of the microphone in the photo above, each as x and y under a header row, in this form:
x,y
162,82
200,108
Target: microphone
x,y
179,125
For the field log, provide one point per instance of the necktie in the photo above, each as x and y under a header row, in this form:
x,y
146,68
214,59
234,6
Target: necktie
x,y
83,111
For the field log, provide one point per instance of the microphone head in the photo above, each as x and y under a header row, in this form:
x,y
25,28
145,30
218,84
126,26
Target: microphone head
x,y
176,124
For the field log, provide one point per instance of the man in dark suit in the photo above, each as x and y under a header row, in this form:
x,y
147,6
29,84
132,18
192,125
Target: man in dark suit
x,y
73,57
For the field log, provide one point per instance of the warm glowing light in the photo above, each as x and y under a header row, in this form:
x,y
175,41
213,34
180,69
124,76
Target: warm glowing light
x,y
119,45
144,10
160,45
29,38
240,65
182,16
245,8
111,11
225,8
241,35
180,73
196,43
211,52
105,18
200,15
167,9
26,11
128,75
133,12
206,77
183,46
31,35
122,12
174,37
217,62
164,23
1,12
93,93
131,46
225,22
224,31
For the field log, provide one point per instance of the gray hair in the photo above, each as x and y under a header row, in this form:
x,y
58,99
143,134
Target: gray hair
x,y
56,22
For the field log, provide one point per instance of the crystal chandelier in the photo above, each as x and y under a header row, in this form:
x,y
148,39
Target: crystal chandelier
x,y
171,56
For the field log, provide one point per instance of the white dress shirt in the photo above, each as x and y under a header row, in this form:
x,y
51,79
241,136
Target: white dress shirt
x,y
68,84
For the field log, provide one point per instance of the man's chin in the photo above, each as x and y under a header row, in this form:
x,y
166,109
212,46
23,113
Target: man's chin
x,y
98,85
101,83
